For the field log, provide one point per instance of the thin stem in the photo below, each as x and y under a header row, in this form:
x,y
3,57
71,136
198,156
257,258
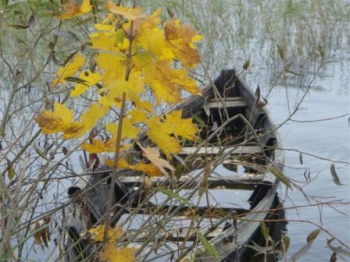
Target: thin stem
x,y
115,169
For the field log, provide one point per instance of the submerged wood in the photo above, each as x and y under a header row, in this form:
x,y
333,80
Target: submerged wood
x,y
167,219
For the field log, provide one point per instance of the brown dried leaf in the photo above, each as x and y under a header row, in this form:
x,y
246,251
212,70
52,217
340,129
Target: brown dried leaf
x,y
335,176
64,150
37,236
94,161
153,155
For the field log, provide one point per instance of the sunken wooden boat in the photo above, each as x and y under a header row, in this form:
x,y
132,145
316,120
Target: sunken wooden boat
x,y
224,185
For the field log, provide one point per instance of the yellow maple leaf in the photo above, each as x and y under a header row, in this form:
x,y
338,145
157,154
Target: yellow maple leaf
x,y
127,12
91,116
55,121
165,81
74,130
167,143
153,155
159,78
68,70
113,233
89,79
181,40
113,254
148,169
176,125
98,146
162,131
152,38
72,9
128,130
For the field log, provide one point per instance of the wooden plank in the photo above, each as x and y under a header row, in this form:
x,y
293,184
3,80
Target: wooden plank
x,y
226,102
241,150
237,181
180,234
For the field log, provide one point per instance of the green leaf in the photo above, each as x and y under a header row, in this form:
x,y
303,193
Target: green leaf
x,y
207,245
75,80
292,72
264,230
281,52
321,50
286,242
312,236
19,26
278,173
68,34
174,195
246,64
10,169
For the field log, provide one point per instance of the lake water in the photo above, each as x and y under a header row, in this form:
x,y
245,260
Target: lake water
x,y
327,142
322,143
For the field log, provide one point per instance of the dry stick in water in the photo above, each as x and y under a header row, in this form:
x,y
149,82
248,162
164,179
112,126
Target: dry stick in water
x,y
115,169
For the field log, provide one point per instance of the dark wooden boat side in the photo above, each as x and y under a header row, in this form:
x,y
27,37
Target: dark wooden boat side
x,y
233,107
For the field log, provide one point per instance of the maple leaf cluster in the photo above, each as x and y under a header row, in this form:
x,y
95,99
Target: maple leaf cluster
x,y
110,252
136,55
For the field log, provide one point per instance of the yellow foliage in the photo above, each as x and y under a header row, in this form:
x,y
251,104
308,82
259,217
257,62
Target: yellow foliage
x,y
148,169
168,144
135,56
174,124
127,12
89,79
128,130
181,39
113,233
113,254
68,70
161,131
72,9
92,115
59,120
148,33
98,146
